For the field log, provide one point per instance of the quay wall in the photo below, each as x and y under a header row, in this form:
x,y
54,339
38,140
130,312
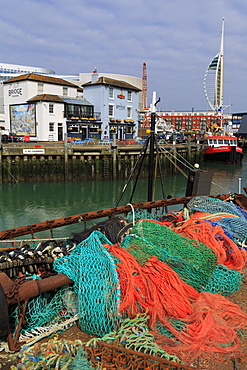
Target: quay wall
x,y
26,162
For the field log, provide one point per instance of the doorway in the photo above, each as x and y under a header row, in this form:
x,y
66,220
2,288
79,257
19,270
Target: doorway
x,y
60,131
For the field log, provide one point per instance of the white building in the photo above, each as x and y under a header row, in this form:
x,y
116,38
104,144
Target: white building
x,y
41,107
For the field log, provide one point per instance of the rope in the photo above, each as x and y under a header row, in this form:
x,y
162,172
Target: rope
x,y
133,213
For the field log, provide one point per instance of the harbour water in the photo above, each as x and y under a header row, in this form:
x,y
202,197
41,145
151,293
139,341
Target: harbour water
x,y
28,203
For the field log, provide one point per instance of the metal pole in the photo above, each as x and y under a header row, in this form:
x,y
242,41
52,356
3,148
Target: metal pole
x,y
65,157
151,159
239,185
114,155
1,168
151,148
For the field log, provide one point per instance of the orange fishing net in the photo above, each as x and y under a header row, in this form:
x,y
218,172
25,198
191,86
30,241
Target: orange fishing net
x,y
211,328
209,320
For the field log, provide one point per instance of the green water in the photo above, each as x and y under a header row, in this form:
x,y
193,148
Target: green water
x,y
28,203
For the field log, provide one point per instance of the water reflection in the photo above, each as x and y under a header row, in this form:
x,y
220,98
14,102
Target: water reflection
x,y
24,203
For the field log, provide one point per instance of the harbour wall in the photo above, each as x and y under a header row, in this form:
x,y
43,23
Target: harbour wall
x,y
27,162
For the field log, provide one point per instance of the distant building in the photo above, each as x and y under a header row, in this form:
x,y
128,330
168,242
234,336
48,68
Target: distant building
x,y
8,71
187,121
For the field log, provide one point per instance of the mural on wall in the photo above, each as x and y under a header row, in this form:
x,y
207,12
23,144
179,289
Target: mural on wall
x,y
22,119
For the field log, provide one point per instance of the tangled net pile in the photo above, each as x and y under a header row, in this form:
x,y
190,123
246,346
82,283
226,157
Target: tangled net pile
x,y
175,273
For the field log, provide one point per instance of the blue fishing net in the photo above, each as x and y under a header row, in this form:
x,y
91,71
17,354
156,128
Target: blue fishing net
x,y
235,227
96,284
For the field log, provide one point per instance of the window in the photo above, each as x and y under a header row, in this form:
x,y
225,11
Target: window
x,y
129,112
51,126
111,110
65,91
40,88
111,96
129,95
51,108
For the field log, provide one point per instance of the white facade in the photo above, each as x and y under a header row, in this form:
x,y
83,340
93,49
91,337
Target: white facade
x,y
34,106
8,71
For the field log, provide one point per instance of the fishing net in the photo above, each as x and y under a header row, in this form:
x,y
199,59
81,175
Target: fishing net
x,y
46,311
96,284
151,287
224,281
192,260
213,236
55,355
134,334
184,322
235,227
212,328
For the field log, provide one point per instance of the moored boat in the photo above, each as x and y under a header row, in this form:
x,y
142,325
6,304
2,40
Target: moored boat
x,y
222,149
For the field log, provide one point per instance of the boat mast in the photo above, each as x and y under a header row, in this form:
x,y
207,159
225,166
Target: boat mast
x,y
151,148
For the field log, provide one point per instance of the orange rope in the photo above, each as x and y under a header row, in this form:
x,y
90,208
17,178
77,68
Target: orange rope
x,y
211,328
154,286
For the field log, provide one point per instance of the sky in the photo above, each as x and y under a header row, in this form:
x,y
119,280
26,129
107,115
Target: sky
x,y
176,39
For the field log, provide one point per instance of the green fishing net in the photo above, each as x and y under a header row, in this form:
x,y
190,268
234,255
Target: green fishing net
x,y
96,284
134,334
47,310
224,281
193,261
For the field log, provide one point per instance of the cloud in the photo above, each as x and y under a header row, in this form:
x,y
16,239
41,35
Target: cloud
x,y
176,39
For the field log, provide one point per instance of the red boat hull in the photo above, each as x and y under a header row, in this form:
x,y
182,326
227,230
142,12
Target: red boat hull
x,y
223,154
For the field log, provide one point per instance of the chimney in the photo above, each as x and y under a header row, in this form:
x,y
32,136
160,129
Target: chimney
x,y
95,76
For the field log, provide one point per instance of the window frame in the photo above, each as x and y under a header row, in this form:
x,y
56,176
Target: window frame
x,y
51,126
129,95
111,106
129,112
111,92
51,108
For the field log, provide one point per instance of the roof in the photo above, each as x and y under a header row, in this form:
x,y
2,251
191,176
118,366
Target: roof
x,y
46,97
79,101
112,82
40,78
59,99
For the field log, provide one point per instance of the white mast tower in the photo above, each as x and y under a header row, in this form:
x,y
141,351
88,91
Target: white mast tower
x,y
214,78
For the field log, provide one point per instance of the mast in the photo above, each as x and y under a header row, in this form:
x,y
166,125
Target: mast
x,y
151,148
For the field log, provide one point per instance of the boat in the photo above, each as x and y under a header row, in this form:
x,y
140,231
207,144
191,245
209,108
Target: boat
x,y
223,149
